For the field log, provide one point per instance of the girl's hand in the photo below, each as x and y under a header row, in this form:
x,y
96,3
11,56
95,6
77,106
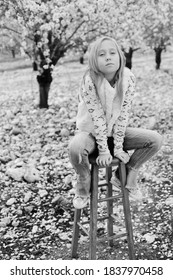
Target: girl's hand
x,y
123,156
104,160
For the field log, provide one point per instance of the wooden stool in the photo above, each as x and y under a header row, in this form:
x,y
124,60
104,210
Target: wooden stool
x,y
110,216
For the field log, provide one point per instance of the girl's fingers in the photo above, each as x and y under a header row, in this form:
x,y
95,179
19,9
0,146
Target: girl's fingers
x,y
125,158
104,161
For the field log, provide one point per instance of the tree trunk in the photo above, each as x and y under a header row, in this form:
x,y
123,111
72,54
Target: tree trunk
x,y
158,52
44,94
13,53
128,56
81,59
44,81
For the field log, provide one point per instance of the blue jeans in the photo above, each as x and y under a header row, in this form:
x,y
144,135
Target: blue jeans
x,y
145,144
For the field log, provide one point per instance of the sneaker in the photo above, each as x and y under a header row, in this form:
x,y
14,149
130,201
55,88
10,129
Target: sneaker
x,y
115,182
80,202
135,194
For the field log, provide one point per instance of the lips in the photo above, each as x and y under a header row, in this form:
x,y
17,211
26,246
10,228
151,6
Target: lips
x,y
109,64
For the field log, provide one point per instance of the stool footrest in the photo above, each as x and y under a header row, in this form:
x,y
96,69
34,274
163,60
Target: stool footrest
x,y
110,198
115,236
84,229
117,219
100,219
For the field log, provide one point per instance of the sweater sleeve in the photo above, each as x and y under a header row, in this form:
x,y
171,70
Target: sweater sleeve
x,y
121,123
93,104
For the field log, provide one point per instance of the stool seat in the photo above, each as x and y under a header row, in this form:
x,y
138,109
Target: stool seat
x,y
109,198
115,161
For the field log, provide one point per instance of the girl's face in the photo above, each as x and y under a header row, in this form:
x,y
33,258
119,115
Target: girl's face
x,y
108,59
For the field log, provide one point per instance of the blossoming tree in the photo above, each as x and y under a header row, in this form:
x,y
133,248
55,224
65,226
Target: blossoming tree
x,y
158,26
49,28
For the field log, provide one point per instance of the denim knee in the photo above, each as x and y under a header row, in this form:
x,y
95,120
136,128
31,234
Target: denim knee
x,y
75,151
157,140
80,146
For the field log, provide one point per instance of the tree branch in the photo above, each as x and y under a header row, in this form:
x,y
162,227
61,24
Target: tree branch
x,y
18,7
74,32
15,31
136,49
65,46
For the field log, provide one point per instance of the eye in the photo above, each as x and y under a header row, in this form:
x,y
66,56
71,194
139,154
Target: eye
x,y
101,54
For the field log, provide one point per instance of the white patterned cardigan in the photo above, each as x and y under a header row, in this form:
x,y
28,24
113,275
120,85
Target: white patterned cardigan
x,y
91,116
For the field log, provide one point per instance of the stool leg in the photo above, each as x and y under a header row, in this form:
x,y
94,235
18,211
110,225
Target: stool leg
x,y
75,237
127,213
93,211
109,204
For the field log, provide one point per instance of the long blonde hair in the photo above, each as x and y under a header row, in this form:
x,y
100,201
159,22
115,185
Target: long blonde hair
x,y
96,75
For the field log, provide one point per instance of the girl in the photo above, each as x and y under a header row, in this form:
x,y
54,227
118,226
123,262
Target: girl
x,y
104,103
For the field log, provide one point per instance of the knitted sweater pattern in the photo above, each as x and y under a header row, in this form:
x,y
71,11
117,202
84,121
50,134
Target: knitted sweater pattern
x,y
92,117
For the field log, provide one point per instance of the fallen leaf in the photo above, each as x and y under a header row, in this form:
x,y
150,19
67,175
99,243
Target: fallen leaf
x,y
150,238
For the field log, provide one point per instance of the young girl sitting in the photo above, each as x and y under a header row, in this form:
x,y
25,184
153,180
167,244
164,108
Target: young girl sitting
x,y
104,103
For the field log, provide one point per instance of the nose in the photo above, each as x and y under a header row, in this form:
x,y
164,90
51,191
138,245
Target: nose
x,y
107,57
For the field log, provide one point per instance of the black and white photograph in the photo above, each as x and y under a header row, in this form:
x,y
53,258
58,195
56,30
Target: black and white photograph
x,y
86,136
